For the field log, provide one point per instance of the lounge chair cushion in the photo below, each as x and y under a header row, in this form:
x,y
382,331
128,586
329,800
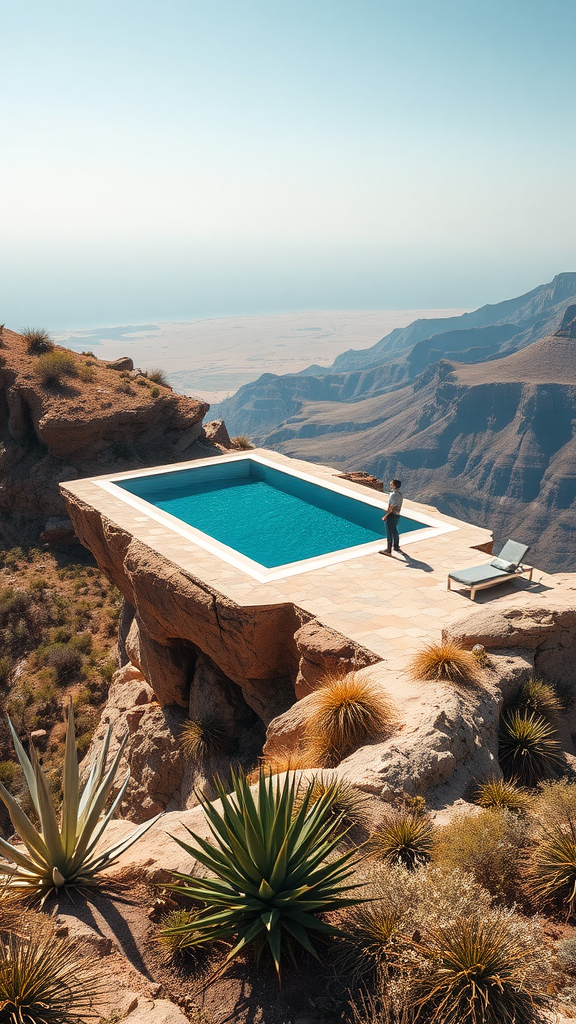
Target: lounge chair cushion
x,y
513,552
478,574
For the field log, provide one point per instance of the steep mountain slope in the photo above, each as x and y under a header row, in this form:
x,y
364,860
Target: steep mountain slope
x,y
484,334
493,442
89,417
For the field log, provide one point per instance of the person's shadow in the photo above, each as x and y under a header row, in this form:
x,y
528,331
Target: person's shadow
x,y
415,563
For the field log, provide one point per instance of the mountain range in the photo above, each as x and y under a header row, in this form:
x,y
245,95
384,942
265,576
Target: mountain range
x,y
476,414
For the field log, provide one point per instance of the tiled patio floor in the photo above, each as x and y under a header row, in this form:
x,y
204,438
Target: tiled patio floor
x,y
388,605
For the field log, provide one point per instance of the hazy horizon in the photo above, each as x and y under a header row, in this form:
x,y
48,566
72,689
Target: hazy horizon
x,y
183,161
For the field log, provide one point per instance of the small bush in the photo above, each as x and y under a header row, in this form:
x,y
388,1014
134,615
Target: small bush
x,y
528,749
346,711
53,366
554,806
85,371
157,376
241,442
155,392
566,953
404,839
476,974
82,642
10,772
501,793
202,737
64,659
5,670
37,341
490,845
539,697
446,660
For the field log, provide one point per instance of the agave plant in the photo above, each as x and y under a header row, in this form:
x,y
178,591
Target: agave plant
x,y
63,853
273,869
552,875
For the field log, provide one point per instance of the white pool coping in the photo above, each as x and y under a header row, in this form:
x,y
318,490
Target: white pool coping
x,y
431,527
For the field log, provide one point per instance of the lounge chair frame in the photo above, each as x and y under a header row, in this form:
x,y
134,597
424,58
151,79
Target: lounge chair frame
x,y
521,570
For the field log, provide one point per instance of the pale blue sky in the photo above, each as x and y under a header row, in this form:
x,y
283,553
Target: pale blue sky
x,y
169,159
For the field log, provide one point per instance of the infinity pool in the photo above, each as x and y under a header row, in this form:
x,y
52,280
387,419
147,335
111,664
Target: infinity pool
x,y
270,517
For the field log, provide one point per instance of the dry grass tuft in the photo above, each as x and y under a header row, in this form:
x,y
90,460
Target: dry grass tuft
x,y
202,737
242,442
552,870
502,793
349,802
404,839
37,340
445,660
345,712
476,973
172,937
158,376
284,760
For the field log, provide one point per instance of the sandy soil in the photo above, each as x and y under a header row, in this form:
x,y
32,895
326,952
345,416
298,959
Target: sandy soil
x,y
211,359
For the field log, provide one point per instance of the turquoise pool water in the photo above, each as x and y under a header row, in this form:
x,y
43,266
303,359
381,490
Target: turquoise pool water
x,y
270,516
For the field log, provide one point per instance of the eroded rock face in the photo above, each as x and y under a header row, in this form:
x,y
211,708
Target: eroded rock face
x,y
216,433
168,669
253,647
80,427
323,650
446,738
549,630
152,752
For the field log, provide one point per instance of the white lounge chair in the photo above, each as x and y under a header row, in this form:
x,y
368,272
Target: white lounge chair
x,y
507,565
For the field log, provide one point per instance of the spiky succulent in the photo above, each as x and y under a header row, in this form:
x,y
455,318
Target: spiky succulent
x,y
63,853
47,980
274,869
528,748
404,838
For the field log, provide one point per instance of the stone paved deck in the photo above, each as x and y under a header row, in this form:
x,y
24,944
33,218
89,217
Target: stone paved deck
x,y
389,605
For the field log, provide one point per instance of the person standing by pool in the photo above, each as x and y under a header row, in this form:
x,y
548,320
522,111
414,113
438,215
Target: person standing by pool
x,y
392,516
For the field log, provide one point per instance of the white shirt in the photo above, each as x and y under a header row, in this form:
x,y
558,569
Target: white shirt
x,y
395,502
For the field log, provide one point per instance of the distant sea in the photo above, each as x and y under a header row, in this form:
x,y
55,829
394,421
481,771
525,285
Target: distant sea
x,y
212,358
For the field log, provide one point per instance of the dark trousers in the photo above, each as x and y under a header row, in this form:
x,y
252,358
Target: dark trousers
x,y
392,535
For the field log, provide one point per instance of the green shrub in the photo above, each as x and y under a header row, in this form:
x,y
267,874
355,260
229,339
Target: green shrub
x,y
46,980
62,854
272,870
539,697
490,845
54,366
476,973
404,838
528,749
83,642
5,670
65,659
174,930
554,805
10,773
502,793
37,341
155,392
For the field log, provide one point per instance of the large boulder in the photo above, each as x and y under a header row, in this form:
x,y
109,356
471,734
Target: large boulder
x,y
167,668
446,737
548,629
152,752
216,433
322,650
